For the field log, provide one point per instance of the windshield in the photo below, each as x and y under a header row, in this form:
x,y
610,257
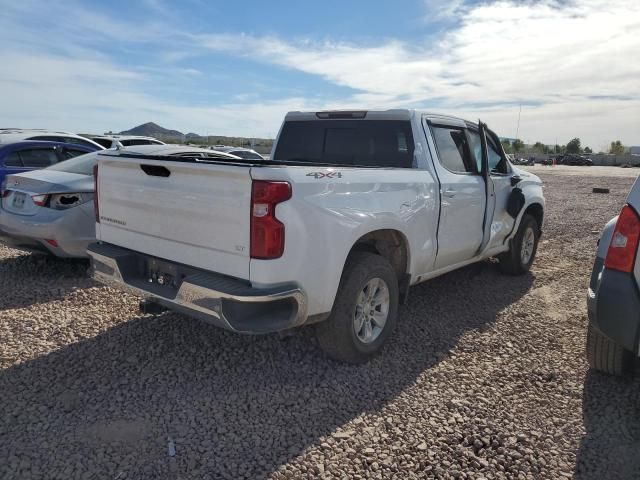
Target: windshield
x,y
82,165
376,143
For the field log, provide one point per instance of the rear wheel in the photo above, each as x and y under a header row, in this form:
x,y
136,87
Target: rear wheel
x,y
605,355
364,312
518,260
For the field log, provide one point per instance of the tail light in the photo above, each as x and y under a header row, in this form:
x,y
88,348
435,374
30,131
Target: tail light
x,y
267,233
96,209
40,200
624,242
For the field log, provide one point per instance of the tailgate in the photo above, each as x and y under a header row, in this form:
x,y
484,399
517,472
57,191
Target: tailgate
x,y
184,211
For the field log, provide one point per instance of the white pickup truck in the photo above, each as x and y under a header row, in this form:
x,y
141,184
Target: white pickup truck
x,y
352,209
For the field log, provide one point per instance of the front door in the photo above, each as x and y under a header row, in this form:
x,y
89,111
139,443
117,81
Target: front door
x,y
462,195
498,224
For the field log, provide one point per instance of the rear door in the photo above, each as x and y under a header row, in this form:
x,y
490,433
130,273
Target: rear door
x,y
188,212
462,194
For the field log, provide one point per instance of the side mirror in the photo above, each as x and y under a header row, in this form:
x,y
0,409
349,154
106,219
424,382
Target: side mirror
x,y
515,180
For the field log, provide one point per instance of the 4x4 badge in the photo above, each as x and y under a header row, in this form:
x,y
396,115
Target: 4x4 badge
x,y
319,175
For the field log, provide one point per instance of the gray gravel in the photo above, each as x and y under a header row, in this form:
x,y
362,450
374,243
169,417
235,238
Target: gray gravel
x,y
484,378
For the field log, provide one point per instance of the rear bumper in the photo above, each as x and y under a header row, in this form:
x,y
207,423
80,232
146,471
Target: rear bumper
x,y
613,305
224,301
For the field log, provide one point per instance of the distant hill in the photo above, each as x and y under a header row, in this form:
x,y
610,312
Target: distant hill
x,y
151,129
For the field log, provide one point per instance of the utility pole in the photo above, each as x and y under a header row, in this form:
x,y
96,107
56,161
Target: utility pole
x,y
518,126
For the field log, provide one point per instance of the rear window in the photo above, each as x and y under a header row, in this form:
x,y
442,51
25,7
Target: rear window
x,y
371,143
245,154
82,165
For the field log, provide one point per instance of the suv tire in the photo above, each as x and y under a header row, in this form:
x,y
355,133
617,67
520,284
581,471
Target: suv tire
x,y
605,355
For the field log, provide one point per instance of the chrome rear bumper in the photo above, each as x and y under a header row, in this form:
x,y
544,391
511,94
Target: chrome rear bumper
x,y
224,301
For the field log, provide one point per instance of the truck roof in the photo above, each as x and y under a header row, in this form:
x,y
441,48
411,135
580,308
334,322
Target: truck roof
x,y
393,114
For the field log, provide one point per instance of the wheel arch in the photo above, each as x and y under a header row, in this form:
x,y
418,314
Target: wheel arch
x,y
391,244
536,210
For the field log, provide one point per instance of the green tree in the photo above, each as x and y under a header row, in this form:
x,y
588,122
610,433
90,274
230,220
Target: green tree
x,y
506,145
616,148
539,147
517,145
574,146
587,150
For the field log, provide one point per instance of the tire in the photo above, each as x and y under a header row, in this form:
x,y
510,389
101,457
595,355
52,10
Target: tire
x,y
604,355
337,335
512,262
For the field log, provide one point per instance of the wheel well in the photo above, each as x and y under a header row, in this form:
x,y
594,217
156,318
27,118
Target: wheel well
x,y
536,211
390,244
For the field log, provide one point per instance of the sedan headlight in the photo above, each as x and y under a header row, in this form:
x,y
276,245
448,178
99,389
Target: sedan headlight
x,y
63,201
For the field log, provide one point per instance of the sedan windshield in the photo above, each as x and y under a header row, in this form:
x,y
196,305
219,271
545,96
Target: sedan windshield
x,y
82,165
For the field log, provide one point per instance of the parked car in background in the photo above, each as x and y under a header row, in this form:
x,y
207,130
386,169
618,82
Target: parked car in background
x,y
523,161
31,155
351,210
613,300
113,141
579,160
12,135
51,210
244,153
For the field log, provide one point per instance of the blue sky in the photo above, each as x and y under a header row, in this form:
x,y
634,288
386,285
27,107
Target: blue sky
x,y
235,68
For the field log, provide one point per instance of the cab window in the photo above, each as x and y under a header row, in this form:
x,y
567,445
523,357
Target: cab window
x,y
497,164
453,149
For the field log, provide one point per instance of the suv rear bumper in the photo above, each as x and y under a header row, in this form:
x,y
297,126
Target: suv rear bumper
x,y
613,305
224,301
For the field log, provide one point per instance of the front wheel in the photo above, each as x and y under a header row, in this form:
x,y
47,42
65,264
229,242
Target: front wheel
x,y
364,312
518,260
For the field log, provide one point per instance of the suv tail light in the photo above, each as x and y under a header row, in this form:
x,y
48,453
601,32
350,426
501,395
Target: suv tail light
x,y
624,242
267,233
96,209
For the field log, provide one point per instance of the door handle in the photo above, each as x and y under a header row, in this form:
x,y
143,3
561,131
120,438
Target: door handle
x,y
449,192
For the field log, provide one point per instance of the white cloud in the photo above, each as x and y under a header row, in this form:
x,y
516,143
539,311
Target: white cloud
x,y
554,56
571,64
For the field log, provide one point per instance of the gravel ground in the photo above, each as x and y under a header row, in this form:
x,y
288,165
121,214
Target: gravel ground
x,y
484,378
595,171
